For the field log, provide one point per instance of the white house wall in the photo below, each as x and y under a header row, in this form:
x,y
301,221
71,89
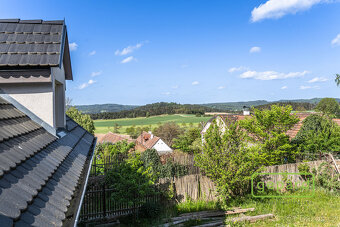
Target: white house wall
x,y
36,97
162,147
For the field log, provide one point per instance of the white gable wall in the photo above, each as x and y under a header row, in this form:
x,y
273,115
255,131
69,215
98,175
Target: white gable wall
x,y
162,147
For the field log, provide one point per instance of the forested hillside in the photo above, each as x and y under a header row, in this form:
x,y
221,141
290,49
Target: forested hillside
x,y
101,108
297,106
237,106
155,109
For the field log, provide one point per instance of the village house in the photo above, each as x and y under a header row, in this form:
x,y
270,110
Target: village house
x,y
45,156
149,141
222,119
111,137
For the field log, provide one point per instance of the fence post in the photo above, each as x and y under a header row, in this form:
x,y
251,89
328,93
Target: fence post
x,y
104,201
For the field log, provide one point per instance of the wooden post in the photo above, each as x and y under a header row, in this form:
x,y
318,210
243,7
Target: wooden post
x,y
104,201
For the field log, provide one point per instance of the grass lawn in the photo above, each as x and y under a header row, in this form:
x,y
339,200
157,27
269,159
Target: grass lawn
x,y
321,210
104,126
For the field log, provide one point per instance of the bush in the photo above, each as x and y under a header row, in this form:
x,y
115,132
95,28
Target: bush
x,y
228,161
318,134
328,106
84,120
267,128
131,181
184,142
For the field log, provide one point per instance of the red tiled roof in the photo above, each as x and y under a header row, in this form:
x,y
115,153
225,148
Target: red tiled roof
x,y
114,138
146,141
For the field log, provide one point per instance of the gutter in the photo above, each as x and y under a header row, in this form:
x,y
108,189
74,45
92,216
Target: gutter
x,y
86,180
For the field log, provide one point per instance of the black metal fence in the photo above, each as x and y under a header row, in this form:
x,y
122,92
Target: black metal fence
x,y
98,204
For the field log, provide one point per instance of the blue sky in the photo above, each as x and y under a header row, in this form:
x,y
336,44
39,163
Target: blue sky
x,y
195,51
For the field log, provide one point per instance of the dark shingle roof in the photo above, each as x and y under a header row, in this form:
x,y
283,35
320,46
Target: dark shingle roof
x,y
34,43
40,174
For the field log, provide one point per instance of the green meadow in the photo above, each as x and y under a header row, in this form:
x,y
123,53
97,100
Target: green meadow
x,y
104,126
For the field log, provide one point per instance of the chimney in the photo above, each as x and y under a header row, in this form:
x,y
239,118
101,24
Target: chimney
x,y
150,134
246,110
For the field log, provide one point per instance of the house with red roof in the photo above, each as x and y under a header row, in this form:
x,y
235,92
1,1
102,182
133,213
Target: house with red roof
x,y
149,141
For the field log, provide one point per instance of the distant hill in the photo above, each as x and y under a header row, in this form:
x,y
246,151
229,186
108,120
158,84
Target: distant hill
x,y
237,106
102,108
155,109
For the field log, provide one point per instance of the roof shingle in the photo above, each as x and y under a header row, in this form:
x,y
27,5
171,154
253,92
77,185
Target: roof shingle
x,y
39,173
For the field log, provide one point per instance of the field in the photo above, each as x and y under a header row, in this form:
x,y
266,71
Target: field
x,y
104,126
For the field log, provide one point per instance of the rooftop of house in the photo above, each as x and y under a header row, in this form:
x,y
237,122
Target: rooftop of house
x,y
147,140
34,43
41,176
114,138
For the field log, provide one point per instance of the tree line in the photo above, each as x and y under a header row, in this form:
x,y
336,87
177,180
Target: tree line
x,y
155,109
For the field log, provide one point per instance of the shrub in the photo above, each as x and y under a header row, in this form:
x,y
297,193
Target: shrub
x,y
228,161
184,142
318,134
84,120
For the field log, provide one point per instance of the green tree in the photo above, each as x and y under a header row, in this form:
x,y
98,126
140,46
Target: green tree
x,y
116,128
268,129
328,106
168,132
131,180
84,120
227,160
318,134
184,141
337,79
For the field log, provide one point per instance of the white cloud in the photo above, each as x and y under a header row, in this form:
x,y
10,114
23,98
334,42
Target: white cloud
x,y
166,93
271,75
128,59
284,87
73,46
279,8
221,87
308,87
235,69
84,85
336,40
195,83
255,50
92,53
93,74
129,49
175,87
318,79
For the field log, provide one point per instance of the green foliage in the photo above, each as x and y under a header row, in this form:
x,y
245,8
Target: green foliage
x,y
326,177
190,205
318,134
184,141
328,106
131,180
297,106
267,128
228,161
304,168
134,131
104,150
151,160
84,120
337,79
168,131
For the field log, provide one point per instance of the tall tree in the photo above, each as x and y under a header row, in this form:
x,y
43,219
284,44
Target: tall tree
x,y
168,132
268,128
328,106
